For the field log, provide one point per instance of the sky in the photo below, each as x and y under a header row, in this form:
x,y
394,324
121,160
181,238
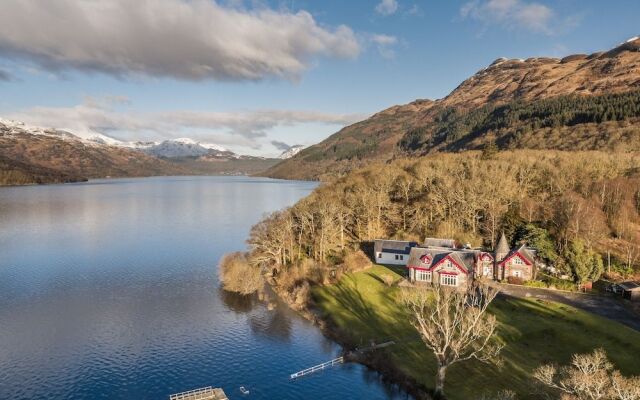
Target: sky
x,y
259,76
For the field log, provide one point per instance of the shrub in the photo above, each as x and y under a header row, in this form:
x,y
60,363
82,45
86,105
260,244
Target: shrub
x,y
514,280
301,294
535,284
237,275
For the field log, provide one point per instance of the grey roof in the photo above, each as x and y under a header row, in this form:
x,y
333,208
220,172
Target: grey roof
x,y
524,252
465,258
630,285
503,245
393,246
436,242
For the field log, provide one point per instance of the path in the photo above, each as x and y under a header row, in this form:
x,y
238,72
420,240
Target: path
x,y
599,305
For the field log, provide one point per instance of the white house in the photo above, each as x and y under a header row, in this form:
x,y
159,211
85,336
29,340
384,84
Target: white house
x,y
393,252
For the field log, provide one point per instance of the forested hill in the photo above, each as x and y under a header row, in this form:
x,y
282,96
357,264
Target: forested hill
x,y
579,102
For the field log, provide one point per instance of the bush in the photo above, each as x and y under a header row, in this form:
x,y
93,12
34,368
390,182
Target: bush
x,y
356,261
301,294
237,275
514,280
535,284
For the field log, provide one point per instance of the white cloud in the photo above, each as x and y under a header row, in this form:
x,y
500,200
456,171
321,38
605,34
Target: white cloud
x,y
191,40
387,7
512,14
249,129
384,44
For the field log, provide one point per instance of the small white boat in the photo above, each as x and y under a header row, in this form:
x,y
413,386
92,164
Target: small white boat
x,y
243,390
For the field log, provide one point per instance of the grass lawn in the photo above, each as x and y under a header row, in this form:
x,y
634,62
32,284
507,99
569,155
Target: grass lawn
x,y
534,332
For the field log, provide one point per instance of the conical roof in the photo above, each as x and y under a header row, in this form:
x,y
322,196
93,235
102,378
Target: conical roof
x,y
503,245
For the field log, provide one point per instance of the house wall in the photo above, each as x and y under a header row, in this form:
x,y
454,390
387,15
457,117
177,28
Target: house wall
x,y
449,269
631,295
390,258
523,271
485,269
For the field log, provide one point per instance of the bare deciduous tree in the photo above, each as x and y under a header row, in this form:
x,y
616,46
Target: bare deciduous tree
x,y
454,325
589,376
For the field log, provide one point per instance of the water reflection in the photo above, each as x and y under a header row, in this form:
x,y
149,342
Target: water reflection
x,y
266,315
107,291
238,303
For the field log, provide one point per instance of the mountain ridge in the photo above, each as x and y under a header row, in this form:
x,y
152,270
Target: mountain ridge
x,y
512,83
36,155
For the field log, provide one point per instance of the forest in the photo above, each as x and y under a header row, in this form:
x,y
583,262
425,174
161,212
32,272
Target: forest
x,y
566,204
510,123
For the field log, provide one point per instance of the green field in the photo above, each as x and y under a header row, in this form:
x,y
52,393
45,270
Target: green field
x,y
534,332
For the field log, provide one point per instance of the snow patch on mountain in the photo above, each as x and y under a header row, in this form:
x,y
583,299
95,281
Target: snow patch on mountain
x,y
171,148
292,151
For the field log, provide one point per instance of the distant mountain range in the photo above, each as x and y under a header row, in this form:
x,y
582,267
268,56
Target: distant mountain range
x,y
579,102
47,155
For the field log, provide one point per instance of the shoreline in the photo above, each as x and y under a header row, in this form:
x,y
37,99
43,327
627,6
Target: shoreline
x,y
389,373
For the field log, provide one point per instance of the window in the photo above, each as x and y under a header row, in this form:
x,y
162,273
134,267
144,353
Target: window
x,y
517,274
423,276
379,255
401,258
487,270
517,261
449,280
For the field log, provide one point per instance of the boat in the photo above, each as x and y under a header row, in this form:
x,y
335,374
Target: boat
x,y
244,390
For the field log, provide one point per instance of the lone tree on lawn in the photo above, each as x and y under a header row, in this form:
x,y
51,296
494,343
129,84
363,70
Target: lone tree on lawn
x,y
454,325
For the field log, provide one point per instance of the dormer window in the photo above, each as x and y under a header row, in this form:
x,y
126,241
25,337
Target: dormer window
x,y
426,259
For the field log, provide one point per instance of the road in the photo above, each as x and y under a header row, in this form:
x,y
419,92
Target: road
x,y
600,305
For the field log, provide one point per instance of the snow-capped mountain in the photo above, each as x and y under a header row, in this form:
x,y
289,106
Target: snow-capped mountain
x,y
186,147
171,148
175,149
292,151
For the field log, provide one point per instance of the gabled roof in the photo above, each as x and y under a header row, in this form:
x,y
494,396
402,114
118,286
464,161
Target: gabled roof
x,y
485,254
393,246
523,252
442,243
421,257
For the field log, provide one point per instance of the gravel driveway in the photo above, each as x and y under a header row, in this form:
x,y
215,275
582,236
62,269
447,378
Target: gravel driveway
x,y
599,305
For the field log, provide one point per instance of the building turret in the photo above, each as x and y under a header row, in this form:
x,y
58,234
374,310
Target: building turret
x,y
502,249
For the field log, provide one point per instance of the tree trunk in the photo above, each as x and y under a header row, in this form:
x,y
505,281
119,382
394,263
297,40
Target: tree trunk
x,y
439,391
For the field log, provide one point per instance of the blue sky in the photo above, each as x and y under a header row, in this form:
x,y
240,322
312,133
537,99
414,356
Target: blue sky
x,y
256,76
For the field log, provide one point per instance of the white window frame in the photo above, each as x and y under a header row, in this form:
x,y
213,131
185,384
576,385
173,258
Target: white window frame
x,y
486,270
448,280
517,273
379,254
420,273
518,261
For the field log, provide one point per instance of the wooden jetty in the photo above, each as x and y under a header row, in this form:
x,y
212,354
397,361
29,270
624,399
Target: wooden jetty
x,y
207,393
318,367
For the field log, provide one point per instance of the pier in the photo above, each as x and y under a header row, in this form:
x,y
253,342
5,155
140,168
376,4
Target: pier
x,y
318,367
207,393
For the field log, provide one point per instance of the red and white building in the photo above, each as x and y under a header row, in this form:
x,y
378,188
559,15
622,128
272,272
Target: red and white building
x,y
450,266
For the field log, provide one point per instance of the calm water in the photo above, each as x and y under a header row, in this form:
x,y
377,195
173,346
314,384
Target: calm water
x,y
109,290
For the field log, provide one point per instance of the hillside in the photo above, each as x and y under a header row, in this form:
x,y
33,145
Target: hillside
x,y
584,102
35,155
